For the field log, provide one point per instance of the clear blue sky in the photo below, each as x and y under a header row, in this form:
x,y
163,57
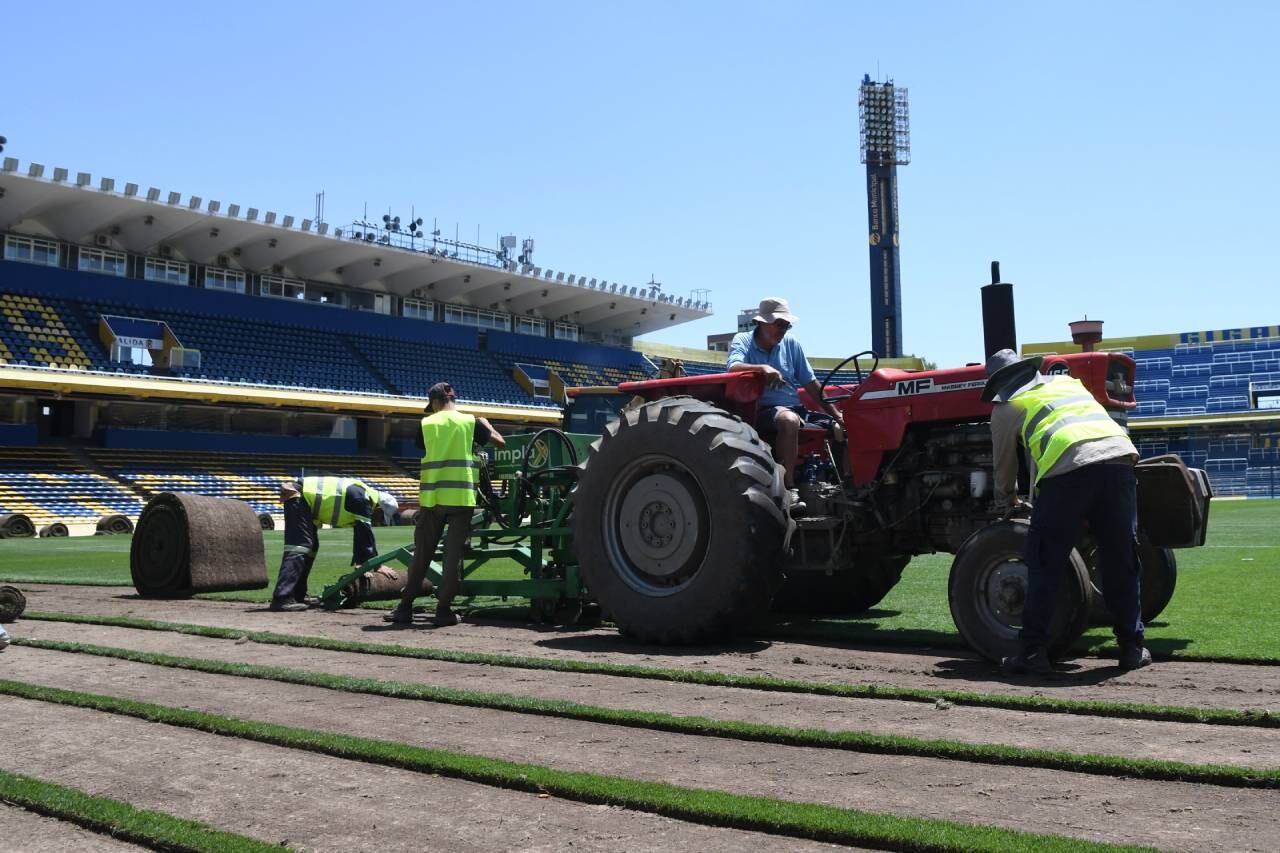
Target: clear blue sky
x,y
1118,158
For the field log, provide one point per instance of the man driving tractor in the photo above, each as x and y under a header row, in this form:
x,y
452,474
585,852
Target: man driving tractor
x,y
769,350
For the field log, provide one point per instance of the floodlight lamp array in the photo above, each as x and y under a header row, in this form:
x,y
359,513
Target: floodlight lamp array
x,y
884,124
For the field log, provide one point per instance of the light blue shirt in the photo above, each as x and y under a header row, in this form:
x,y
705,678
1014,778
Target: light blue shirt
x,y
787,358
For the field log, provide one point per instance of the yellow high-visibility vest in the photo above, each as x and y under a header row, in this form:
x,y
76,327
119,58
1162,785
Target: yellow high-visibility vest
x,y
1057,415
325,496
449,472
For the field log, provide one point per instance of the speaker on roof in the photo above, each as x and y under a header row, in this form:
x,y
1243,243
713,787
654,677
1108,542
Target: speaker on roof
x,y
101,240
277,269
166,252
223,260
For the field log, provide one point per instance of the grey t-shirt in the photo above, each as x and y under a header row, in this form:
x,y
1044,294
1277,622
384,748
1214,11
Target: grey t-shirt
x,y
1006,432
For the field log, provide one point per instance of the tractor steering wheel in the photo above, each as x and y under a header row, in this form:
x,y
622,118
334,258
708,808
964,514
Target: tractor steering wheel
x,y
857,366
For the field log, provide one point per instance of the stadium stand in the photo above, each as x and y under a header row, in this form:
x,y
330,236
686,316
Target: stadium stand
x,y
576,364
51,484
51,319
1203,396
253,478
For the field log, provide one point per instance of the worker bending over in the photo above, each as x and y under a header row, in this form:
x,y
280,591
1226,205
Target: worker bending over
x,y
337,502
1081,470
447,498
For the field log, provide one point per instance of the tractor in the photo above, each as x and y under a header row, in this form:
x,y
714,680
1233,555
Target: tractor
x,y
684,532
675,524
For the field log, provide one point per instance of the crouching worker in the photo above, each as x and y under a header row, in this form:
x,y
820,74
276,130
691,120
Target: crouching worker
x,y
338,502
447,497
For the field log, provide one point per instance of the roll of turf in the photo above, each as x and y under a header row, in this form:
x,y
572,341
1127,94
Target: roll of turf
x,y
15,525
407,517
375,586
12,603
115,524
266,521
191,543
55,530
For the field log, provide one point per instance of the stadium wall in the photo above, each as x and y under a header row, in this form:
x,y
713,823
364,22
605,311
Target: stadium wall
x,y
223,442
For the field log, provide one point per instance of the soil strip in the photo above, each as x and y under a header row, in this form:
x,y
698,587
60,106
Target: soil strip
x,y
1191,743
1166,814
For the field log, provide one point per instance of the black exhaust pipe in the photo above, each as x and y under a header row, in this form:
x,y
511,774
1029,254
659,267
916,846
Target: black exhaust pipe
x,y
998,330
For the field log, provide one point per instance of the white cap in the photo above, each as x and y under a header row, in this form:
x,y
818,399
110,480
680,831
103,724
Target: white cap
x,y
388,503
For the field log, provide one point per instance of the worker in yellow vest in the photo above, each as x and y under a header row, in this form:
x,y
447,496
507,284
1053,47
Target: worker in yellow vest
x,y
337,502
1081,464
447,497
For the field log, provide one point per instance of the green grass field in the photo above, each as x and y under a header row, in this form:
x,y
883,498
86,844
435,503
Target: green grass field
x,y
1227,604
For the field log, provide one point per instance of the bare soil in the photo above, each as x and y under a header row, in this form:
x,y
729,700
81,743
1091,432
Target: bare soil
x,y
1192,684
1169,815
21,830
1194,743
315,802
274,793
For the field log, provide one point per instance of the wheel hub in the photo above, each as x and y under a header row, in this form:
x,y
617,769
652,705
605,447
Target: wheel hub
x,y
658,524
1007,592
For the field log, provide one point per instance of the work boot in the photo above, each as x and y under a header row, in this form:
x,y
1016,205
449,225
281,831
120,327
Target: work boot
x,y
1133,655
285,606
445,617
798,507
402,615
1034,660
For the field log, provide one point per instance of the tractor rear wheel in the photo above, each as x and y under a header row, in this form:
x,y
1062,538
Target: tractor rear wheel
x,y
848,592
988,587
680,522
1158,569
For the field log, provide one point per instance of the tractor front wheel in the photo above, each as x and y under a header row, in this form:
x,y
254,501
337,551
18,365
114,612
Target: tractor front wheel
x,y
988,588
680,522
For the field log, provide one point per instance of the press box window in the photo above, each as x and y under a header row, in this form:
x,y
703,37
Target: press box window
x,y
283,288
172,272
531,326
30,250
566,332
216,278
418,309
101,261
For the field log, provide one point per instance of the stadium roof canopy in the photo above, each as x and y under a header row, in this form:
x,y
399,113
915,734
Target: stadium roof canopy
x,y
154,222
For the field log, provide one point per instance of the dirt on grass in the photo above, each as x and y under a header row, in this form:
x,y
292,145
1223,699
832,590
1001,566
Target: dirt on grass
x,y
1167,814
1243,746
316,802
1191,684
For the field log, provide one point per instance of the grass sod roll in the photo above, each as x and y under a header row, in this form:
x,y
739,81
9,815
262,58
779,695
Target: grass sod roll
x,y
376,586
186,544
12,603
115,525
710,807
122,821
15,525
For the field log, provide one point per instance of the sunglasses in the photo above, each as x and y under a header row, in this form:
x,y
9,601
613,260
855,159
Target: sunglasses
x,y
781,325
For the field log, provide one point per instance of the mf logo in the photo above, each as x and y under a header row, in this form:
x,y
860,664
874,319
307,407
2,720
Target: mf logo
x,y
915,386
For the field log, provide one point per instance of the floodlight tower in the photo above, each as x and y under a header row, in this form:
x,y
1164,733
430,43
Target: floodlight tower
x,y
885,137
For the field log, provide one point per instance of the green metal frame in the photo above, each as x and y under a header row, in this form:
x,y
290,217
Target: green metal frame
x,y
528,523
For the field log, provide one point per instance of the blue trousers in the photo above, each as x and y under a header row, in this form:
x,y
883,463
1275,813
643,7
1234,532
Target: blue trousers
x,y
1105,496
